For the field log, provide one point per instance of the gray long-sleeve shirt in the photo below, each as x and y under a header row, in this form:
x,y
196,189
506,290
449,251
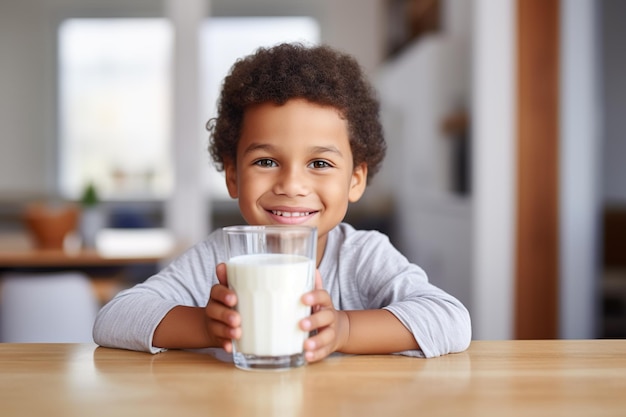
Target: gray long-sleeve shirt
x,y
360,270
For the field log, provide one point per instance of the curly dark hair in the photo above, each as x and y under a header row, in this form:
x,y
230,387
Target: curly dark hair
x,y
318,74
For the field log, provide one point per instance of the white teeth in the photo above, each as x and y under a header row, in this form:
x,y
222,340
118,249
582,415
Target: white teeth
x,y
290,213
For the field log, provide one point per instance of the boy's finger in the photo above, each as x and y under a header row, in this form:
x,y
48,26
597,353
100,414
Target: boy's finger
x,y
319,298
223,295
318,347
220,271
323,318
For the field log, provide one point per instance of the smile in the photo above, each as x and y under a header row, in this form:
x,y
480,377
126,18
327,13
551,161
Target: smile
x,y
290,213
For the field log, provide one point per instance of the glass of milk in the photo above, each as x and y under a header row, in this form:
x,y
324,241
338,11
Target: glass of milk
x,y
270,268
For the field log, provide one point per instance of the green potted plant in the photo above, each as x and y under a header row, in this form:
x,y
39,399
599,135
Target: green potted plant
x,y
90,196
92,218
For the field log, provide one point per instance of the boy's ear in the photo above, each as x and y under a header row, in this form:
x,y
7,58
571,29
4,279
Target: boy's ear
x,y
358,182
230,172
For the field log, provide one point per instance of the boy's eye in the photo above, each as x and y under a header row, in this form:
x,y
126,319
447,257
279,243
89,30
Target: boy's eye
x,y
319,164
265,163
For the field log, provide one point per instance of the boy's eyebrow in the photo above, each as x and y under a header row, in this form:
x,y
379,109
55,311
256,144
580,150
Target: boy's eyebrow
x,y
257,147
269,148
324,149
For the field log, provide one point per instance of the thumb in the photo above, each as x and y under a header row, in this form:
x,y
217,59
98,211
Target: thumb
x,y
220,271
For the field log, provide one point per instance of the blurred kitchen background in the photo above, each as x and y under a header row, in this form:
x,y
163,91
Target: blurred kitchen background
x,y
104,103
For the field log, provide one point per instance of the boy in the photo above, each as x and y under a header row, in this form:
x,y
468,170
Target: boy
x,y
298,136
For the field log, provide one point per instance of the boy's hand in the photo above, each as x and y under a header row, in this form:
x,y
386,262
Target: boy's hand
x,y
223,323
332,325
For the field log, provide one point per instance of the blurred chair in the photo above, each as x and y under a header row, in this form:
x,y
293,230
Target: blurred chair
x,y
47,308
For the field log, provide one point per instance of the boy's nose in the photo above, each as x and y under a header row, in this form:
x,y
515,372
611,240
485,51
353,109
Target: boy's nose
x,y
291,182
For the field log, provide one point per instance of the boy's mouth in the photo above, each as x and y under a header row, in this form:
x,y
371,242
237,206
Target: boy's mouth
x,y
290,213
295,216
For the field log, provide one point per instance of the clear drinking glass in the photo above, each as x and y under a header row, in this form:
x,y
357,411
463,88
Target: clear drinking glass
x,y
270,268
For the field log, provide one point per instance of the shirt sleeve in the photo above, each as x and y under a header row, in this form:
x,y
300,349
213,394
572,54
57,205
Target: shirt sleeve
x,y
386,279
129,320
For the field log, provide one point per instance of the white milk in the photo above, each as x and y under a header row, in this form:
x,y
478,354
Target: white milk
x,y
269,288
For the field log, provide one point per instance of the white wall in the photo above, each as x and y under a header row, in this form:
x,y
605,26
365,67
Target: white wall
x,y
494,194
580,169
23,138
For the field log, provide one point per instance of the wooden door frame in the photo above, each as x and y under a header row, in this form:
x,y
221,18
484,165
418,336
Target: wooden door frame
x,y
537,237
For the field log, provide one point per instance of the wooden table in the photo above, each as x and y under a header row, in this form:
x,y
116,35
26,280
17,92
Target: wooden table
x,y
503,378
17,251
50,258
108,274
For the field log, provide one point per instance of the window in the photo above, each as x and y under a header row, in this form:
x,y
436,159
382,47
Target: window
x,y
114,107
114,97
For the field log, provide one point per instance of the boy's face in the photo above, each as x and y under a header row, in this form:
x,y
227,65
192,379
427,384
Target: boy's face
x,y
294,166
